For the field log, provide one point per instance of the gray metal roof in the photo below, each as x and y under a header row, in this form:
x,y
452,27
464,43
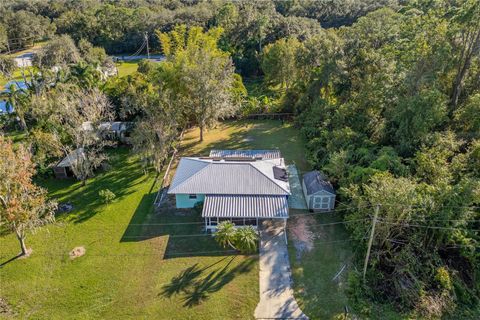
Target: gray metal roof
x,y
206,176
315,181
238,206
71,158
264,154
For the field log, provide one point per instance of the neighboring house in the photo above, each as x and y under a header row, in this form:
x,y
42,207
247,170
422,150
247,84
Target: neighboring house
x,y
242,186
319,193
115,131
63,169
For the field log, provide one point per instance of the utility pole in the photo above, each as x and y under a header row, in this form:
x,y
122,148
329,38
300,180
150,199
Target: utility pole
x,y
148,49
370,241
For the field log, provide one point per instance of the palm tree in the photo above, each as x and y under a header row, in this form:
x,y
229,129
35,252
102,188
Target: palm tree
x,y
85,75
246,239
225,234
17,101
242,239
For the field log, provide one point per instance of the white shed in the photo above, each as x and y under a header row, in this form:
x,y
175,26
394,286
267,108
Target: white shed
x,y
319,193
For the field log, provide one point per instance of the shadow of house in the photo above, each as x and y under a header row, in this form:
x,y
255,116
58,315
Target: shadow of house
x,y
196,284
182,229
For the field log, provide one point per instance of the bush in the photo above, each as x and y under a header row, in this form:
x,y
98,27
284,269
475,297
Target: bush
x,y
198,207
106,195
443,278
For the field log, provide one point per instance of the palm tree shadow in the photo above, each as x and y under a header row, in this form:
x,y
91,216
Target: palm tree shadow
x,y
182,282
195,289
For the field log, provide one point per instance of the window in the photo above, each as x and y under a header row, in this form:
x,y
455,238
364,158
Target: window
x,y
321,202
192,196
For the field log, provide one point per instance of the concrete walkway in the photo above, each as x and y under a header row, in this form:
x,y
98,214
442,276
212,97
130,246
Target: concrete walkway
x,y
296,200
276,294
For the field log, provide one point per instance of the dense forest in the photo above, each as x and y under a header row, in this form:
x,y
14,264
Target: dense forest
x,y
386,93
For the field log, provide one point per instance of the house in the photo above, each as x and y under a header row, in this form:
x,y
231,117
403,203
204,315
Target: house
x,y
319,193
114,131
240,186
117,130
63,169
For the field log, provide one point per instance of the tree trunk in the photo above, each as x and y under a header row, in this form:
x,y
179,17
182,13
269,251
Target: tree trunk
x,y
21,239
202,128
23,124
470,51
84,182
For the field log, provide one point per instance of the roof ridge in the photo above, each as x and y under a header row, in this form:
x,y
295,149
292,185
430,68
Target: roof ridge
x,y
288,191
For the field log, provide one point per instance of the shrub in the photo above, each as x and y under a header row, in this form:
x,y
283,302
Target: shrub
x,y
443,278
198,207
106,195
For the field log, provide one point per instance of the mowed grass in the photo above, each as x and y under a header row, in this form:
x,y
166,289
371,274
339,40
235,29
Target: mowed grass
x,y
250,134
126,68
138,264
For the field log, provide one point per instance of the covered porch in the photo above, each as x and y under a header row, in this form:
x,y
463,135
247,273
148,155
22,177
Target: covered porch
x,y
243,210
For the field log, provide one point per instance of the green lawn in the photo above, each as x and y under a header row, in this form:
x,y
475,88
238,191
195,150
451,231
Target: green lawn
x,y
126,68
250,134
17,76
135,265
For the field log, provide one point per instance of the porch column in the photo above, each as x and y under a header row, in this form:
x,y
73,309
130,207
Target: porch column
x,y
285,230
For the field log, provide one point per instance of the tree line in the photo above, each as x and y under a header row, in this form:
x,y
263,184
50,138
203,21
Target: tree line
x,y
390,110
119,26
388,102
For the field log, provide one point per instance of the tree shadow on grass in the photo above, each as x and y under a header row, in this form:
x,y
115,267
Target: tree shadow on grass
x,y
123,176
253,134
10,260
196,284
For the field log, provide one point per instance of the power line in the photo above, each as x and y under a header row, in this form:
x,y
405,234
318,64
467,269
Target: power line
x,y
427,227
437,220
446,246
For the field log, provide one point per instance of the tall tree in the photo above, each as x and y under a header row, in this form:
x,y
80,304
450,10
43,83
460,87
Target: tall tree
x,y
58,52
200,73
279,62
18,101
79,115
467,40
23,205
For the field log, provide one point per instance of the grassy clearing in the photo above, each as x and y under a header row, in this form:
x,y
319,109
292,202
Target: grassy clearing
x,y
137,266
248,134
126,68
319,296
124,273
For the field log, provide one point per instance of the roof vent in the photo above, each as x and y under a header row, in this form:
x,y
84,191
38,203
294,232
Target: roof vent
x,y
280,174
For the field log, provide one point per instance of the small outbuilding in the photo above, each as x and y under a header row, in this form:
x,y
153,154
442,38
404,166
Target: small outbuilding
x,y
319,193
63,169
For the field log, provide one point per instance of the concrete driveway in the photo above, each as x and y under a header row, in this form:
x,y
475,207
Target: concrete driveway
x,y
276,293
